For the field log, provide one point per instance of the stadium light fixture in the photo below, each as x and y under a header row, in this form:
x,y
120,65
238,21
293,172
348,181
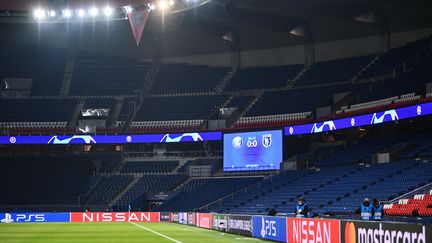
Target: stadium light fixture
x,y
39,14
128,9
67,13
152,7
52,13
94,12
81,13
163,5
108,11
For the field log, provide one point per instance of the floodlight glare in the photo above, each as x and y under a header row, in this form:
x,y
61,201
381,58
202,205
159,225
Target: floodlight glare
x,y
94,12
81,13
171,2
67,13
52,13
152,7
108,11
128,9
163,5
39,14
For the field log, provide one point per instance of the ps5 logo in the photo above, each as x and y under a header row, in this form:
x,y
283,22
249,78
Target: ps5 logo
x,y
237,142
7,219
168,139
328,124
266,140
380,119
86,138
268,227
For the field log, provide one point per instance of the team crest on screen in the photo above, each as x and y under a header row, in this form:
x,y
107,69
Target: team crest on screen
x,y
266,140
237,142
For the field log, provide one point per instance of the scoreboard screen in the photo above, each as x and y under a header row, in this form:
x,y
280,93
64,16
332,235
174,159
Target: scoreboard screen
x,y
252,150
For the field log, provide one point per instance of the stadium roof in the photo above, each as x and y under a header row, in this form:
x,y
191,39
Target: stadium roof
x,y
256,24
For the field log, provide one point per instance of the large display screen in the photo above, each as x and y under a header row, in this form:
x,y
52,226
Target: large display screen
x,y
362,120
113,139
252,151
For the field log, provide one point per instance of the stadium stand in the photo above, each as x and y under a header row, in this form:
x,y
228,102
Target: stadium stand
x,y
95,75
106,189
342,70
294,101
149,166
330,189
66,179
149,183
37,110
196,193
182,78
420,205
45,66
179,108
263,78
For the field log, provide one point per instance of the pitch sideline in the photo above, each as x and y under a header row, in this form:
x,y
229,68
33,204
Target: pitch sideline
x,y
157,233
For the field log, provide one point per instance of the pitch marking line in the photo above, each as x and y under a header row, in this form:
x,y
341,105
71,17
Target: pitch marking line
x,y
157,233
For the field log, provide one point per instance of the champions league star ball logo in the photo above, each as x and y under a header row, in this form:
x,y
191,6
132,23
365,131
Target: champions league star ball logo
x,y
419,110
128,139
12,140
168,138
329,124
376,119
291,130
352,122
266,140
237,142
84,139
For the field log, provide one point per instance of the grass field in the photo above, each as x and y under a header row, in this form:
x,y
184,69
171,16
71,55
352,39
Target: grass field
x,y
113,232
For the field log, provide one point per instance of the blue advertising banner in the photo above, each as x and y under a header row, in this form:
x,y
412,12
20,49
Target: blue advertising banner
x,y
113,139
34,217
362,120
271,228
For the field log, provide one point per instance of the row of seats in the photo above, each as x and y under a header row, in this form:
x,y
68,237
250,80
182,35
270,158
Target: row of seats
x,y
276,118
148,183
330,189
149,166
107,188
198,192
421,205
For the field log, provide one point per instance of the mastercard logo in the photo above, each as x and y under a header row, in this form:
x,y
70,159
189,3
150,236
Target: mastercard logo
x,y
350,233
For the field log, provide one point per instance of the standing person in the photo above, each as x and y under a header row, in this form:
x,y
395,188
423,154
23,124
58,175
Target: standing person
x,y
378,211
366,209
302,208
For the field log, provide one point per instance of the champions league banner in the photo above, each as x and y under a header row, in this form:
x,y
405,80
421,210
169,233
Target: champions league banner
x,y
113,139
363,120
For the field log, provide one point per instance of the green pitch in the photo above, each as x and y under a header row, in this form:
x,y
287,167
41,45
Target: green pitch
x,y
113,232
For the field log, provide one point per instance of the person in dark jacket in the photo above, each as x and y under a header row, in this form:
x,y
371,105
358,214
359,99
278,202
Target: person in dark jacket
x,y
302,209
